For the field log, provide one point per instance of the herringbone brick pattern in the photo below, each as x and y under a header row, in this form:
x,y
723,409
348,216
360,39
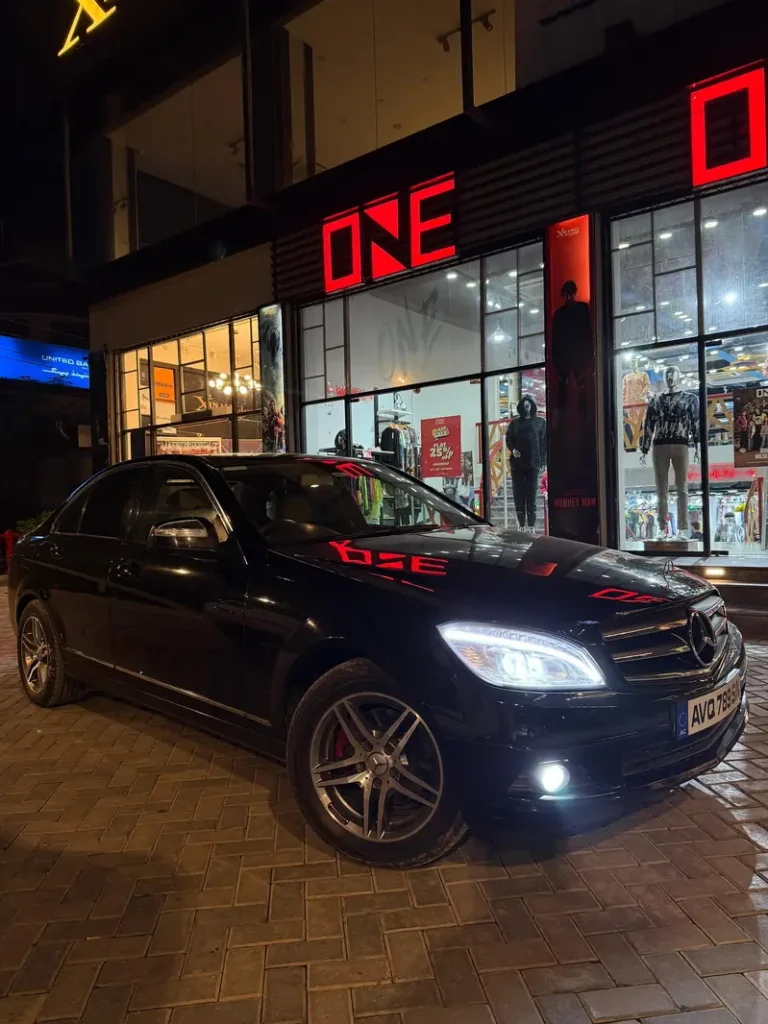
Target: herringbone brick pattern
x,y
152,874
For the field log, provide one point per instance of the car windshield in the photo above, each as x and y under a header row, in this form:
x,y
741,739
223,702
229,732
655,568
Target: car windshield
x,y
318,499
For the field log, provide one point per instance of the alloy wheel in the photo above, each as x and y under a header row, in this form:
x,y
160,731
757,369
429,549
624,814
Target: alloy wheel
x,y
35,654
376,767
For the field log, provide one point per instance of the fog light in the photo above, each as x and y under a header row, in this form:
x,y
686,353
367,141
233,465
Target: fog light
x,y
553,778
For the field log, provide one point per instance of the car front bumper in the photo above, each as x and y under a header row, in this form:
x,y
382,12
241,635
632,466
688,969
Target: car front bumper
x,y
609,752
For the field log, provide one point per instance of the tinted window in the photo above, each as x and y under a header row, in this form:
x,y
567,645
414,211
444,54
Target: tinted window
x,y
310,500
177,495
108,505
69,518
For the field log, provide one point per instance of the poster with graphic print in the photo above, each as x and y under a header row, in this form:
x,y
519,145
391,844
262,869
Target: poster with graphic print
x,y
750,427
441,446
272,378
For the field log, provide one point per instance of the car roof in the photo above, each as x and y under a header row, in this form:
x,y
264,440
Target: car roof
x,y
220,458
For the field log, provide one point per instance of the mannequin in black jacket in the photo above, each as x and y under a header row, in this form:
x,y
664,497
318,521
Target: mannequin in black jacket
x,y
527,443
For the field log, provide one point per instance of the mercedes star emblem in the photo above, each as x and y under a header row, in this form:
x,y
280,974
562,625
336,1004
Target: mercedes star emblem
x,y
702,638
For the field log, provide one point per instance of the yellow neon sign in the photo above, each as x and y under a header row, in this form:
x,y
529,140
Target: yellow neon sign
x,y
93,10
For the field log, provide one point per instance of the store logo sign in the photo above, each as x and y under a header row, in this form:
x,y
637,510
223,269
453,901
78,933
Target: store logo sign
x,y
399,232
728,128
95,13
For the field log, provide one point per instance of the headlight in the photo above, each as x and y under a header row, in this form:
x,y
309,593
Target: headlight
x,y
522,660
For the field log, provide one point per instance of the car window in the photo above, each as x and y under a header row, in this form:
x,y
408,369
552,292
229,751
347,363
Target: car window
x,y
176,494
314,499
68,520
109,503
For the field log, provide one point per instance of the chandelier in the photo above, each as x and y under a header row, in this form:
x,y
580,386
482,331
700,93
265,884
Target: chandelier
x,y
228,385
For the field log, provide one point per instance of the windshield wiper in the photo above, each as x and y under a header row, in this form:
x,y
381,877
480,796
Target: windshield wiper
x,y
388,531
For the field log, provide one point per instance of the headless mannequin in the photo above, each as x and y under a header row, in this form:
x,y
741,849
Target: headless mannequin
x,y
635,386
671,424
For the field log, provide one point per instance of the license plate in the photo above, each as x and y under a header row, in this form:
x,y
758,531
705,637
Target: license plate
x,y
702,713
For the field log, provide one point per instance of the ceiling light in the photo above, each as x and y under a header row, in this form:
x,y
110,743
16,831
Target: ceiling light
x,y
665,236
678,312
513,273
760,211
664,303
623,245
533,310
729,298
541,266
451,275
471,284
738,348
712,223
639,309
498,335
687,332
763,284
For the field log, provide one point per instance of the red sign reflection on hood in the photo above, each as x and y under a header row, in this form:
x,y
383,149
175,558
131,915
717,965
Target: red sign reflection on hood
x,y
420,565
627,596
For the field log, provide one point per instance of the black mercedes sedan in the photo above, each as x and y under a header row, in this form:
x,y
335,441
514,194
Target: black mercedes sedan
x,y
408,660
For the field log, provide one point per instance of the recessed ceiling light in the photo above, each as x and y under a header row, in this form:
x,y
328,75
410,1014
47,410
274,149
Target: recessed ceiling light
x,y
534,309
451,275
513,273
471,284
665,236
678,312
712,223
687,332
639,309
729,298
664,303
739,348
541,265
760,211
623,245
763,284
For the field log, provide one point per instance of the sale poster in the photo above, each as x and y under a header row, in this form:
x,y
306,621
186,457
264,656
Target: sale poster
x,y
441,446
750,427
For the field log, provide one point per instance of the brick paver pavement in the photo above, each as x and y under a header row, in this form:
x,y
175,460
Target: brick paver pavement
x,y
150,873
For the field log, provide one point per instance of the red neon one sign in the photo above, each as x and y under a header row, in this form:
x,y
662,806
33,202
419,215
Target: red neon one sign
x,y
389,235
703,105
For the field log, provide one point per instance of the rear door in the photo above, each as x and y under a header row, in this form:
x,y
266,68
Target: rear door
x,y
178,613
79,554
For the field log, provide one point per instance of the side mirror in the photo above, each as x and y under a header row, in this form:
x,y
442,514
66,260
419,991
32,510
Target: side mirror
x,y
184,534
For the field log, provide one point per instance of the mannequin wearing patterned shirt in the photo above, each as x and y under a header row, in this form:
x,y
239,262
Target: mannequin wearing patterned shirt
x,y
671,424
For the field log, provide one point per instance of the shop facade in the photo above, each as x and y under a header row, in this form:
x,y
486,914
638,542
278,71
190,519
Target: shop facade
x,y
421,323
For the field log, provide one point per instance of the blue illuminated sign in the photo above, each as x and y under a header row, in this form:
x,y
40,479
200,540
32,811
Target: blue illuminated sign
x,y
43,363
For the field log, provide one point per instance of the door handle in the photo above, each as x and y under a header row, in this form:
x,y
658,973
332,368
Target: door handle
x,y
55,551
127,570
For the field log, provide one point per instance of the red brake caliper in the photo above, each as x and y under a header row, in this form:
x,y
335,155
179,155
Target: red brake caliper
x,y
342,742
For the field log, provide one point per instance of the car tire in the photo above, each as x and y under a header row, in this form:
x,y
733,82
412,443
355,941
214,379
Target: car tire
x,y
44,678
421,820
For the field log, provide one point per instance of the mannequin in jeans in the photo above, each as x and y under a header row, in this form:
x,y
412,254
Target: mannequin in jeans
x,y
671,424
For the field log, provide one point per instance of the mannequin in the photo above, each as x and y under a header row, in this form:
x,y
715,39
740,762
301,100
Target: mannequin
x,y
671,424
527,443
635,386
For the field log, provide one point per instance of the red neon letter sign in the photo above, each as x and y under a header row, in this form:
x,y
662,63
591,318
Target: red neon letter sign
x,y
386,237
751,82
419,227
346,222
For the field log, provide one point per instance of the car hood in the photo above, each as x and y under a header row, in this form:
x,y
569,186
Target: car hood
x,y
507,575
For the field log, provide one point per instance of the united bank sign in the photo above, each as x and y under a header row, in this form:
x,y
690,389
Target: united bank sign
x,y
40,363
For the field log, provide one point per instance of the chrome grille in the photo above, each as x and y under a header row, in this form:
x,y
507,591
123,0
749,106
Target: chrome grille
x,y
654,647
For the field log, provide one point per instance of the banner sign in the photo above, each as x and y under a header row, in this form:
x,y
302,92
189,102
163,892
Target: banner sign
x,y
728,128
441,446
750,427
571,417
43,363
187,445
272,378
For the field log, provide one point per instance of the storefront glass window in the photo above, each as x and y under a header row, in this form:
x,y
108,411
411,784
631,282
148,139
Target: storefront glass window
x,y
204,385
660,495
734,243
417,329
417,378
364,73
493,48
178,163
737,433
